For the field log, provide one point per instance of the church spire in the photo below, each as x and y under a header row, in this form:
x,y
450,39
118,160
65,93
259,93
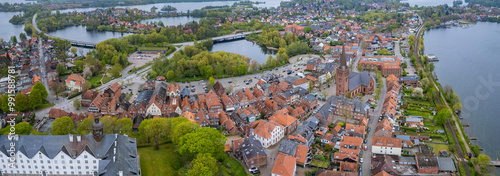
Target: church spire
x,y
343,62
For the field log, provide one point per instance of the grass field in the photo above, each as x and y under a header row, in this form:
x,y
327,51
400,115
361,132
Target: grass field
x,y
152,48
94,81
161,162
165,162
437,147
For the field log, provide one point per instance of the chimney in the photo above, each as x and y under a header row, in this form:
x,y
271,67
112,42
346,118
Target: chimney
x,y
79,138
70,138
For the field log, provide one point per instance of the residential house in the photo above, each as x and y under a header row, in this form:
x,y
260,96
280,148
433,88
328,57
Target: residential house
x,y
75,82
414,121
355,128
253,153
88,97
285,165
383,129
283,118
384,163
387,146
267,133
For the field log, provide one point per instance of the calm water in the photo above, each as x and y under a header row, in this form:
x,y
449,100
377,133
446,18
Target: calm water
x,y
9,29
168,21
428,2
245,48
79,33
467,57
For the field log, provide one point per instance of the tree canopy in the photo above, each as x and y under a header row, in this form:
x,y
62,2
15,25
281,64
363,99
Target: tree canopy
x,y
62,126
203,140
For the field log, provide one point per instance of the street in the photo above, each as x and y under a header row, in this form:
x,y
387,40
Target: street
x,y
367,159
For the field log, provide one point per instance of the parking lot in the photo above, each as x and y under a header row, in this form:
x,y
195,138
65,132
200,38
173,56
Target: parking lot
x,y
138,60
241,82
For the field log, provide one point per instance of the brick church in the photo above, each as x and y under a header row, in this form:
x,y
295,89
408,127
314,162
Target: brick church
x,y
352,82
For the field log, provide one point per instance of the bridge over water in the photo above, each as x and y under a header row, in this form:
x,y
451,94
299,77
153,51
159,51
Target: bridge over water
x,y
224,38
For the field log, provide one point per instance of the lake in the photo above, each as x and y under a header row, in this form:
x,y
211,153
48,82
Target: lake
x,y
171,21
9,29
428,2
468,62
181,7
245,48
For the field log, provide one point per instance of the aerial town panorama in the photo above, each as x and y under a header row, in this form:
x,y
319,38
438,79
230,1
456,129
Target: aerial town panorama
x,y
239,88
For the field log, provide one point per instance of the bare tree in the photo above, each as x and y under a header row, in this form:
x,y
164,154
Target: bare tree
x,y
58,88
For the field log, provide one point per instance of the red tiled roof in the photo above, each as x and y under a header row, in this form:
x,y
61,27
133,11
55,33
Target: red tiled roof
x,y
284,165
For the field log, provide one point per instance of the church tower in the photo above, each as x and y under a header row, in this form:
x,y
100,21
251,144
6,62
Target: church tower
x,y
97,130
342,74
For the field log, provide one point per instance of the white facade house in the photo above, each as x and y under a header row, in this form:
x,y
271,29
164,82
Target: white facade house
x,y
61,164
154,109
387,146
97,154
268,133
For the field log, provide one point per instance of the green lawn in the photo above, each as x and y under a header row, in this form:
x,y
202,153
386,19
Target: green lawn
x,y
95,81
152,48
235,168
437,147
432,126
163,161
42,106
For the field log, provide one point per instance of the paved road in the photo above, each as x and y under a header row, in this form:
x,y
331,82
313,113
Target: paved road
x,y
410,69
366,165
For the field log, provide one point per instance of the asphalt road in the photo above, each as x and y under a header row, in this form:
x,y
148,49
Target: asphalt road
x,y
366,165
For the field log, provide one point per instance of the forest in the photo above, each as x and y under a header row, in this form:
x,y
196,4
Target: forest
x,y
195,61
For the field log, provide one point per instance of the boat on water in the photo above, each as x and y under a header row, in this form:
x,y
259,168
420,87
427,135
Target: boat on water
x,y
432,57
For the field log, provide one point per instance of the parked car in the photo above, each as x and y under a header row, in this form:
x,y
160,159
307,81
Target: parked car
x,y
254,170
365,141
361,160
366,148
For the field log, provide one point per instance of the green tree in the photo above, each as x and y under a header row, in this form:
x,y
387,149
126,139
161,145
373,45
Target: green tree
x,y
484,160
21,103
209,71
360,68
203,140
5,103
39,86
311,86
442,116
242,69
77,103
13,39
22,36
170,75
154,129
109,124
34,98
79,65
182,129
124,126
328,147
61,68
153,74
23,128
211,80
73,50
204,165
85,126
457,107
308,29
62,126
